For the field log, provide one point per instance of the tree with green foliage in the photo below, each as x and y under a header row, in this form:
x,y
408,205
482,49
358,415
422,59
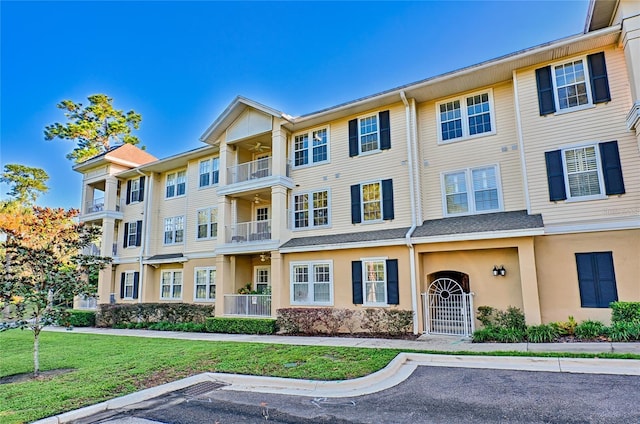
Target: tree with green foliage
x,y
26,182
44,267
95,127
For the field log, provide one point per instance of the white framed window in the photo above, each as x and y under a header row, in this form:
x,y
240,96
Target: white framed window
x,y
471,190
174,230
312,283
134,195
207,223
311,147
132,239
128,284
209,172
571,85
583,172
368,134
262,279
466,117
371,201
205,284
171,285
176,184
374,277
311,209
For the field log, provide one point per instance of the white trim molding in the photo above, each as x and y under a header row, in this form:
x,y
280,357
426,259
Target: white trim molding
x,y
633,117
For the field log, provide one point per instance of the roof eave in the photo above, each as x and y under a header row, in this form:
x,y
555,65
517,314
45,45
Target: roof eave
x,y
426,89
231,113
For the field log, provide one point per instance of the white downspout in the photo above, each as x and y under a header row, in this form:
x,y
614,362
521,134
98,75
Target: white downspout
x,y
145,220
523,162
412,260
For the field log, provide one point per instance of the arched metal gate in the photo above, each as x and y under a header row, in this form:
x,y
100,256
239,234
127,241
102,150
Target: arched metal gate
x,y
447,308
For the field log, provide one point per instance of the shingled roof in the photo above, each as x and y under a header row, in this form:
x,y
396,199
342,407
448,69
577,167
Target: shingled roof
x,y
489,222
362,236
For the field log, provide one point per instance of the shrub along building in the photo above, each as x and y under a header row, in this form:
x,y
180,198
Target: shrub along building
x,y
514,182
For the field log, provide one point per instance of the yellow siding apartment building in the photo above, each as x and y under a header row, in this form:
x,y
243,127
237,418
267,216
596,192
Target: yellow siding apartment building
x,y
514,182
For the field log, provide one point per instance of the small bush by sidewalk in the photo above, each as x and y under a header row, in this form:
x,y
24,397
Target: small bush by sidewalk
x,y
241,325
509,327
378,322
122,315
78,318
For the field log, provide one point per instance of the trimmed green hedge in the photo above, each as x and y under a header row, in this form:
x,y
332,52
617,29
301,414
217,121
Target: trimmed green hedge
x,y
78,318
123,314
241,325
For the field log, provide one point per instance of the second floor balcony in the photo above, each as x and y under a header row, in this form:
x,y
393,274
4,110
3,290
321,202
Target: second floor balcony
x,y
97,208
249,232
247,171
257,174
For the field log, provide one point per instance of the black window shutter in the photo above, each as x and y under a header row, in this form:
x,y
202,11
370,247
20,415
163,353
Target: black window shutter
x,y
606,277
387,199
356,216
555,176
138,232
545,91
393,291
611,168
353,138
599,79
136,283
596,279
356,281
141,192
122,285
125,243
385,130
128,200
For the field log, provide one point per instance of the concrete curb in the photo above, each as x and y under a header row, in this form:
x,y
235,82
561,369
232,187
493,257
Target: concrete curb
x,y
398,370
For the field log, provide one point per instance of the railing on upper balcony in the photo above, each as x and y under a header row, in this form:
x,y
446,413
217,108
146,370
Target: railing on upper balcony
x,y
249,231
97,205
247,305
260,168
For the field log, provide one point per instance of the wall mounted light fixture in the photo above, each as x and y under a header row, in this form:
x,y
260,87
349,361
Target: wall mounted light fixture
x,y
499,271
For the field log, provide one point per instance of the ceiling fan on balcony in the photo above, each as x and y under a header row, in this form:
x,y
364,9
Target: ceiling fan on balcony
x,y
259,147
257,199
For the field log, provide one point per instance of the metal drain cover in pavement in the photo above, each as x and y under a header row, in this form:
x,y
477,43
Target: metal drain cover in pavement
x,y
200,389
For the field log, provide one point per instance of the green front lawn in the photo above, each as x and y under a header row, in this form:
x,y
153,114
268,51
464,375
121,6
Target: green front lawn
x,y
110,366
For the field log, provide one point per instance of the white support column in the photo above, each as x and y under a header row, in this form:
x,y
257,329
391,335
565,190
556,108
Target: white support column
x,y
279,282
278,212
279,148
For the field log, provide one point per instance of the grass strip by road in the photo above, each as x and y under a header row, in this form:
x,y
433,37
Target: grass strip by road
x,y
106,367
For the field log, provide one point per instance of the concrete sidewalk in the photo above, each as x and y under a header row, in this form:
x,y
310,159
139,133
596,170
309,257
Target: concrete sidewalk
x,y
423,343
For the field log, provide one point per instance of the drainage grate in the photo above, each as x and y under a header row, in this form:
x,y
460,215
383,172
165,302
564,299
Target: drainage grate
x,y
199,389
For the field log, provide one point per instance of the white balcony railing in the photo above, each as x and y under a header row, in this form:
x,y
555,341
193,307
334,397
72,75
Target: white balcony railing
x,y
247,305
85,302
260,168
97,205
252,231
93,249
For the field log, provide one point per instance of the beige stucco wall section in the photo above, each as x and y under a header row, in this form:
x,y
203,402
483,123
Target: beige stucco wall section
x,y
343,171
500,148
476,259
342,285
558,275
604,122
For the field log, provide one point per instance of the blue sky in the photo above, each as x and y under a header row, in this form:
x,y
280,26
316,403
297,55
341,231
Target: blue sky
x,y
179,64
